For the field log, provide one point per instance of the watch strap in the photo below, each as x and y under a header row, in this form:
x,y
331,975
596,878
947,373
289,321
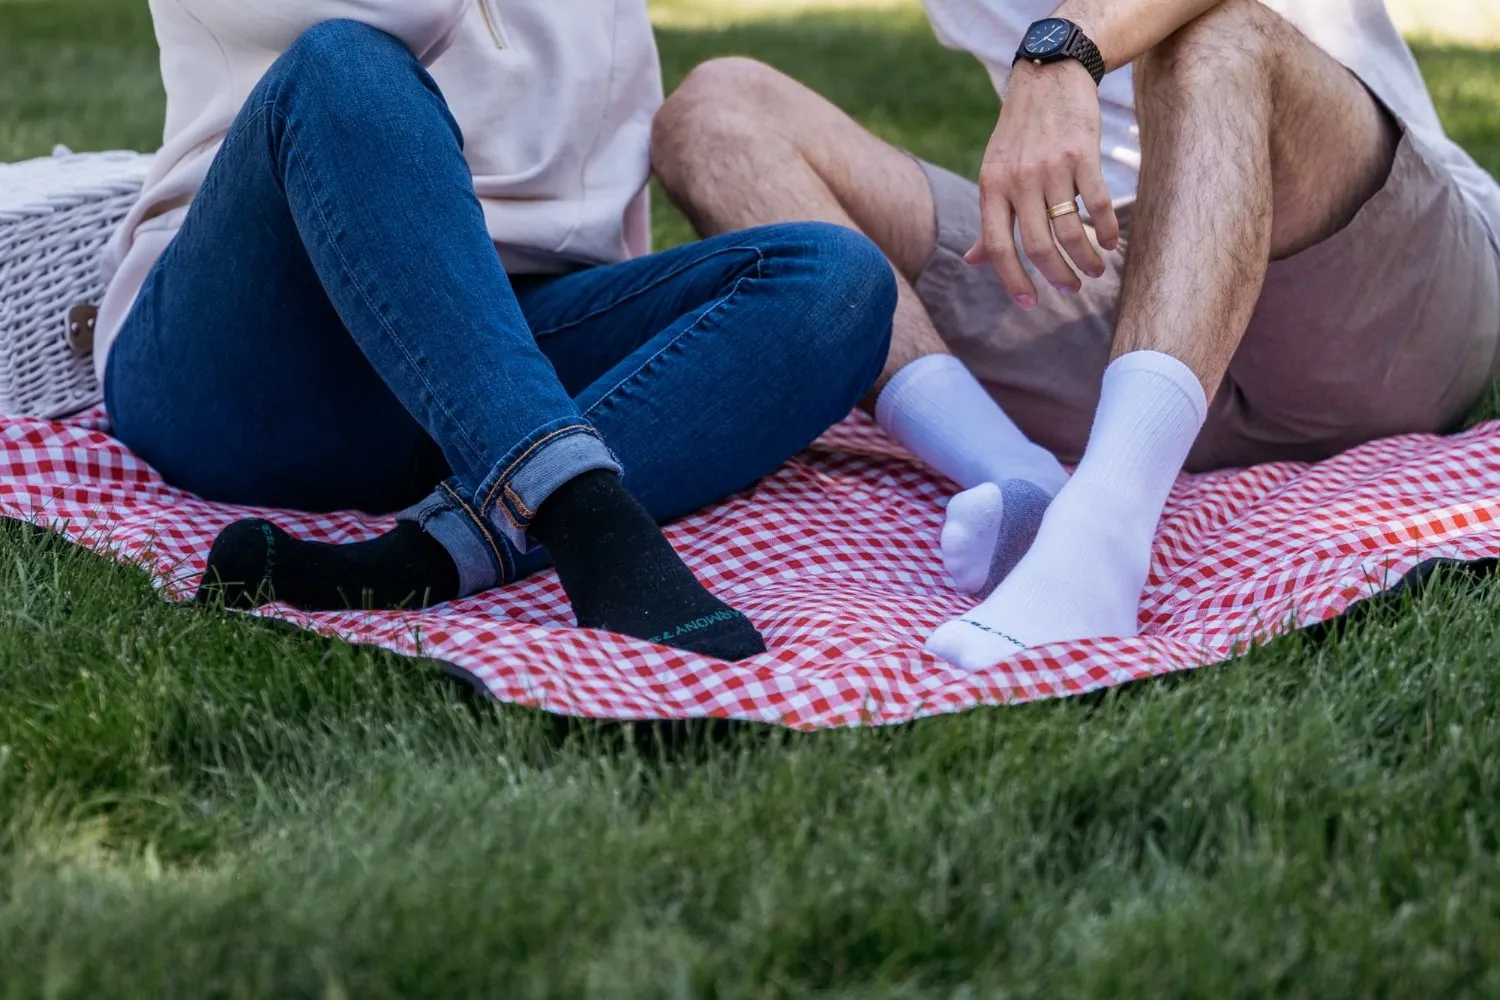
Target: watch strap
x,y
1081,47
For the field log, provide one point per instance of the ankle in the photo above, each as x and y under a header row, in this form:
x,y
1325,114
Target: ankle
x,y
583,509
622,575
254,562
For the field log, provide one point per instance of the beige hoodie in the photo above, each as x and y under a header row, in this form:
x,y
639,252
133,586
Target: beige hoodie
x,y
555,99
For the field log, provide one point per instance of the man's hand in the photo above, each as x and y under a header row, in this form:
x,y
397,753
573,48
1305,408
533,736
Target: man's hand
x,y
1044,153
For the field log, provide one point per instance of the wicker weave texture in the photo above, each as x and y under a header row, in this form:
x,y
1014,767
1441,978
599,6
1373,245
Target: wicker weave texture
x,y
56,214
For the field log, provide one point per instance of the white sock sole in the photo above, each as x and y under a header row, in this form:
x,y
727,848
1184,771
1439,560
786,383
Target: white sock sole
x,y
987,531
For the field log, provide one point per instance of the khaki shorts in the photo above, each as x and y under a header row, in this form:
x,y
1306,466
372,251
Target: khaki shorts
x,y
1389,326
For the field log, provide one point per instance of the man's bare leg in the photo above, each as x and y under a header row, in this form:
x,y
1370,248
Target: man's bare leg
x,y
739,145
1255,144
1221,197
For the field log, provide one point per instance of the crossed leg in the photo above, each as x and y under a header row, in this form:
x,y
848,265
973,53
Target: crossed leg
x,y
1255,145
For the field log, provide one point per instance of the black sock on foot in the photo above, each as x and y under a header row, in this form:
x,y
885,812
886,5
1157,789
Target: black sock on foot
x,y
623,576
253,562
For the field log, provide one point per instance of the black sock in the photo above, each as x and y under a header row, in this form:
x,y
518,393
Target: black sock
x,y
623,576
253,562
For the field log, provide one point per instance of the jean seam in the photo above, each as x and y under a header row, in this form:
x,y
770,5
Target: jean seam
x,y
349,275
504,478
526,512
483,532
652,286
233,136
687,331
238,130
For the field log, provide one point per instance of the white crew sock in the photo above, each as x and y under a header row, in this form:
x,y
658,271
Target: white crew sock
x,y
1084,574
937,409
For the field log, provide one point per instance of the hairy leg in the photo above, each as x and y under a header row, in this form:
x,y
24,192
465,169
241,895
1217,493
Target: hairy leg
x,y
1255,144
1261,145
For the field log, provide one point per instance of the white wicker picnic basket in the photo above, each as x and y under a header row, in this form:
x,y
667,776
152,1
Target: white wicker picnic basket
x,y
56,214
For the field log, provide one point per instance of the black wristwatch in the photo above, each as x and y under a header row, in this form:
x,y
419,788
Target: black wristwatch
x,y
1053,39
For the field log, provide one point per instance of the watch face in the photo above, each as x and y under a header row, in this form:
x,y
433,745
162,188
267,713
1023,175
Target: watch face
x,y
1046,37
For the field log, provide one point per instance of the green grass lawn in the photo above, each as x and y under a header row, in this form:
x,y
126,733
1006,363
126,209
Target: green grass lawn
x,y
197,806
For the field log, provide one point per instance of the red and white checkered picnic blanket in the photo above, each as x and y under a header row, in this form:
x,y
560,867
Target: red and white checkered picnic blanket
x,y
835,559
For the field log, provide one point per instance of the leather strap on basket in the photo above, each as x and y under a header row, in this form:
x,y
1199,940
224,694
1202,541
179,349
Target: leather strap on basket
x,y
81,320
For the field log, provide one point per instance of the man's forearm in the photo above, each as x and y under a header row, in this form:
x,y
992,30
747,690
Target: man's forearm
x,y
1126,29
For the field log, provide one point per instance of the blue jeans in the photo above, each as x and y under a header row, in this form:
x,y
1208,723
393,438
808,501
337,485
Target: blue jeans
x,y
332,329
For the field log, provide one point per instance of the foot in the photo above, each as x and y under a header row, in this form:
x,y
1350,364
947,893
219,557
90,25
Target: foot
x,y
1084,574
1081,579
623,576
988,529
253,562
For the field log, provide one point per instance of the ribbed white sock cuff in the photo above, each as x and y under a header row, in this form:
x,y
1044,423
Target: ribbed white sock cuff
x,y
1151,409
1166,367
910,387
937,409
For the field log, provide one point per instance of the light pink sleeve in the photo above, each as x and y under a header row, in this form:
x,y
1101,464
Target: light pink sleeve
x,y
426,27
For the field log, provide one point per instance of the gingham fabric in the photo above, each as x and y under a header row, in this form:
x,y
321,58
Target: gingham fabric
x,y
835,559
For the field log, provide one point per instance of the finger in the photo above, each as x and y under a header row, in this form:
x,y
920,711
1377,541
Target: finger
x,y
1039,247
1100,205
1070,232
999,248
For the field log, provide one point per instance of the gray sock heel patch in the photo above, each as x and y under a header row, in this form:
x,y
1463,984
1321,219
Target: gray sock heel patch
x,y
1023,504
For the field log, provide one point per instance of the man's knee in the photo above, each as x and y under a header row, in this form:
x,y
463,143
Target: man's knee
x,y
1233,45
730,84
723,101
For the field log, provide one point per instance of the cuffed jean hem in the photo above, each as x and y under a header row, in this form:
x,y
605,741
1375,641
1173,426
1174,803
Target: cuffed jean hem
x,y
478,554
510,498
484,548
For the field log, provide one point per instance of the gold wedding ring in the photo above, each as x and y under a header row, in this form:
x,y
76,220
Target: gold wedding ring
x,y
1062,208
